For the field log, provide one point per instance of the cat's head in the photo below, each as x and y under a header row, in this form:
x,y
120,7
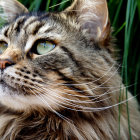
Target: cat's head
x,y
51,59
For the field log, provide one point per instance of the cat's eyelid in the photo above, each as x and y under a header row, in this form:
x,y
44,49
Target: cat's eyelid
x,y
3,41
44,40
32,41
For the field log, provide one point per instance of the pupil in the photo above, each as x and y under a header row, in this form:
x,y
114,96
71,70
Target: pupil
x,y
44,45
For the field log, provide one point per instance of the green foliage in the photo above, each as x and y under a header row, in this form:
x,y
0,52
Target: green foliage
x,y
138,4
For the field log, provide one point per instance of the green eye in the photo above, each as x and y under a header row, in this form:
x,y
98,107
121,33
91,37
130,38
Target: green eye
x,y
3,47
44,47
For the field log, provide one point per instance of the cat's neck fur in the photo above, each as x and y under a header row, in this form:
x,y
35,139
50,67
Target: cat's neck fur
x,y
39,124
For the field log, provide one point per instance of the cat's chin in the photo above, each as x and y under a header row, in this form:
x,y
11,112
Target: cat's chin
x,y
6,89
7,94
11,98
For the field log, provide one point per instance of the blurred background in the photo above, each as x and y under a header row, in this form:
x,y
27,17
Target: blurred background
x,y
125,21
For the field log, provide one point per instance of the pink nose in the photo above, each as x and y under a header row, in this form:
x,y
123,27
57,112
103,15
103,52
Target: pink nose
x,y
4,64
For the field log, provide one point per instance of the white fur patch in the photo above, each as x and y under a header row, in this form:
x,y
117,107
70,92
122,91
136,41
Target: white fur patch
x,y
30,43
13,98
44,28
17,101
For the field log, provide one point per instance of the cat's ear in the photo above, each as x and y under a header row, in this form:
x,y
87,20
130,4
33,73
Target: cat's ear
x,y
92,15
10,9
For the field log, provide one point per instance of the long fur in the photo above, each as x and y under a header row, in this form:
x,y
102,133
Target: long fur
x,y
72,92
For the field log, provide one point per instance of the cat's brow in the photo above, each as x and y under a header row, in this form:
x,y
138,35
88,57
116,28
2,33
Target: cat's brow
x,y
36,28
29,21
19,23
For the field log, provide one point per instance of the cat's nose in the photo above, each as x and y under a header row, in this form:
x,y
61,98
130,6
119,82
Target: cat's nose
x,y
5,63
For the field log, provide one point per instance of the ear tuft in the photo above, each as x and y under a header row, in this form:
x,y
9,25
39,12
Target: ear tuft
x,y
10,9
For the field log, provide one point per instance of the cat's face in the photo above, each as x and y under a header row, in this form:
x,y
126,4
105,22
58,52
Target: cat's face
x,y
44,55
34,68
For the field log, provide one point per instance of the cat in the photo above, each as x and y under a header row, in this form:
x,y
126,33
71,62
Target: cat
x,y
59,77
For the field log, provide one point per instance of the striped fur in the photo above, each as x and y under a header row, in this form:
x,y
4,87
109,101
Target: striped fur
x,y
70,93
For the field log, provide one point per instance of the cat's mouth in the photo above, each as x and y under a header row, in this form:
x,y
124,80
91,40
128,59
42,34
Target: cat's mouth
x,y
3,83
6,88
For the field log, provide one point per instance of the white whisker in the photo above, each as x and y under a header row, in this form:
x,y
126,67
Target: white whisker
x,y
45,102
60,115
94,96
81,84
87,109
102,83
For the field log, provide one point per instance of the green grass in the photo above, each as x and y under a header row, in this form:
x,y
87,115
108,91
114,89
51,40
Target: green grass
x,y
125,19
130,12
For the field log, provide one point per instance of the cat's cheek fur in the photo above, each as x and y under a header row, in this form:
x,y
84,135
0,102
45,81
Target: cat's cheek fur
x,y
18,100
21,102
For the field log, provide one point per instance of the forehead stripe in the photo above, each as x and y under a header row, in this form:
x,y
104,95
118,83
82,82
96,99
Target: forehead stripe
x,y
29,21
37,27
20,22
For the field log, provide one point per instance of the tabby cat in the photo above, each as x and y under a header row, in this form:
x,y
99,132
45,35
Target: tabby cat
x,y
59,78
